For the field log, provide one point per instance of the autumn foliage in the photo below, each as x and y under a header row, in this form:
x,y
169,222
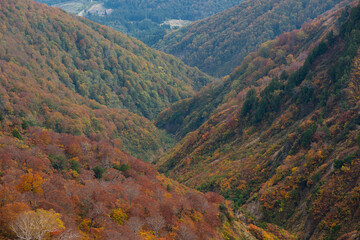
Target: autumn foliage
x,y
220,43
280,137
65,167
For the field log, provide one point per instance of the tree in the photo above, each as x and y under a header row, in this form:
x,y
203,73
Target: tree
x,y
186,232
74,165
307,136
36,224
156,222
249,103
8,214
119,216
99,171
122,167
92,204
135,224
17,134
69,234
131,191
98,211
31,182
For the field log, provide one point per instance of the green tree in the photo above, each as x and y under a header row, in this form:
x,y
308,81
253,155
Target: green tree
x,y
74,165
249,103
99,171
17,134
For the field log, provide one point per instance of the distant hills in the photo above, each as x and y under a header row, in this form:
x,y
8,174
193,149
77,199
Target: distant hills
x,y
145,20
218,44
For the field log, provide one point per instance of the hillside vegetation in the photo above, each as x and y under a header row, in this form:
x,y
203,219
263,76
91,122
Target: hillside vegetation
x,y
97,62
61,73
286,52
218,44
64,169
86,189
283,140
274,147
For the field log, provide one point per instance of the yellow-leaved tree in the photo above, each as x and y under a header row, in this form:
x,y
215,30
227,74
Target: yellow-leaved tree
x,y
32,183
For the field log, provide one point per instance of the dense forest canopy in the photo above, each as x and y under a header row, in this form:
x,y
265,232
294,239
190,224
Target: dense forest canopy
x,y
283,140
271,151
88,79
104,65
218,44
64,168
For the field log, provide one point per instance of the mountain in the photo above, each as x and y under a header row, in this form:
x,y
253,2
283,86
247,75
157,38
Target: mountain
x,y
74,76
280,136
218,44
146,20
100,63
64,169
188,114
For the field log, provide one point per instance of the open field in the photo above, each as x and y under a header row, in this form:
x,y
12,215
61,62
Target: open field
x,y
99,9
82,7
71,7
176,23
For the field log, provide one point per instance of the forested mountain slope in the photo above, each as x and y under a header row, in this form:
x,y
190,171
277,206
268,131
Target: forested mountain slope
x,y
60,62
95,61
64,172
218,44
288,51
284,142
86,189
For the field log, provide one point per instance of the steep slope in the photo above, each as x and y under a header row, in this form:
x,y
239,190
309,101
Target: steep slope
x,y
96,61
95,191
77,182
52,63
218,44
37,88
287,51
284,143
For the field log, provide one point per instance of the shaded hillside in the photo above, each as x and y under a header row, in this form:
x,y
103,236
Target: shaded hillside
x,y
286,52
95,61
284,143
218,44
144,19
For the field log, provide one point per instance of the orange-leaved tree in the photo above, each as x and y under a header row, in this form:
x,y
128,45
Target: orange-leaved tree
x,y
32,183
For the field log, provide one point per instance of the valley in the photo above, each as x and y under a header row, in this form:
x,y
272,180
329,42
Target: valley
x,y
104,137
147,20
218,44
268,143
